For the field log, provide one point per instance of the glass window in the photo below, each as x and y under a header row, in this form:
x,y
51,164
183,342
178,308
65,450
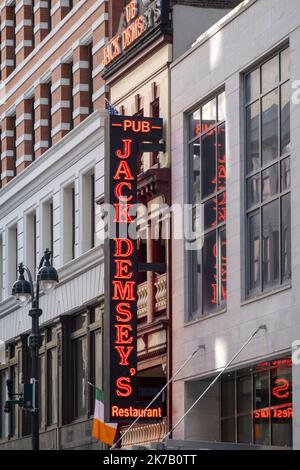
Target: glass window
x,y
14,413
208,264
244,429
210,285
52,387
96,315
285,174
195,158
209,114
267,155
228,396
97,358
244,394
286,237
270,74
42,387
253,148
195,128
208,165
221,107
285,65
270,127
253,85
261,390
80,376
80,321
270,245
228,430
270,182
253,191
4,422
285,118
256,404
254,251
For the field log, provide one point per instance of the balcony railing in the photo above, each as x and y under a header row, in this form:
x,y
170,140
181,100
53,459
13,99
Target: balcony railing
x,y
160,296
143,434
142,300
160,292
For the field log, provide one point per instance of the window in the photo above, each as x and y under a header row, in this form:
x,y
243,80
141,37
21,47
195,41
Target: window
x,y
71,95
48,378
268,204
155,114
14,148
12,257
14,34
49,18
30,244
33,129
90,78
256,404
9,422
86,352
50,126
69,223
51,386
47,225
31,18
42,390
88,211
207,195
96,319
4,421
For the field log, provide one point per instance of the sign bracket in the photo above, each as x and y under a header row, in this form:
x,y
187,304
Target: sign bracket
x,y
154,267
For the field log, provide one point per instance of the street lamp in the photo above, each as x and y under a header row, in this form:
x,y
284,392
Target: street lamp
x,y
23,291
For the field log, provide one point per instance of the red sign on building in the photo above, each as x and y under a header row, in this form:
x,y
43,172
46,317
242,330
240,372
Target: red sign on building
x,y
124,138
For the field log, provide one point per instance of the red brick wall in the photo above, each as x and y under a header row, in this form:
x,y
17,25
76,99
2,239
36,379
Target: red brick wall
x,y
27,103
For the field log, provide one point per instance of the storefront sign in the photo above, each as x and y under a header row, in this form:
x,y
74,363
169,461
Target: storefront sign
x,y
281,402
276,412
139,17
125,136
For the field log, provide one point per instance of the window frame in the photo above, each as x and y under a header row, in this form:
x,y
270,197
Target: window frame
x,y
14,417
251,371
189,141
261,291
86,332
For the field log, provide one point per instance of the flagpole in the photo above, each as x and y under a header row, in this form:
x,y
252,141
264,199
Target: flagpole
x,y
262,327
201,346
92,385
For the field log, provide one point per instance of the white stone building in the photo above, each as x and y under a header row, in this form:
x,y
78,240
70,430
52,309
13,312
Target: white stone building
x,y
224,292
57,195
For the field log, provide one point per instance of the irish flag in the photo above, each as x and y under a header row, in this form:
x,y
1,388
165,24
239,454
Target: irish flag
x,y
102,431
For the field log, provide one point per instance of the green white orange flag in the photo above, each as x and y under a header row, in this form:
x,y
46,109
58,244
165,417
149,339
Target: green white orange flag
x,y
102,431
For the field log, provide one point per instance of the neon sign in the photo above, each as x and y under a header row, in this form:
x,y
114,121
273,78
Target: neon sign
x,y
281,407
275,412
125,136
219,207
138,19
281,388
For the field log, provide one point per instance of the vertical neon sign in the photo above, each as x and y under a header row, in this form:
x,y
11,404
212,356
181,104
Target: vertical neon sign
x,y
124,137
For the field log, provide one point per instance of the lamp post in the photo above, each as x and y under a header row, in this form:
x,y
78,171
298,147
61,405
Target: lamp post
x,y
23,291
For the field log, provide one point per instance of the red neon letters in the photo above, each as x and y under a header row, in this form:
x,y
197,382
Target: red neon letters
x,y
123,278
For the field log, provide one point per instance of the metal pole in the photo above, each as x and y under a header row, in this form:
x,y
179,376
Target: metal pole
x,y
201,346
262,327
35,341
